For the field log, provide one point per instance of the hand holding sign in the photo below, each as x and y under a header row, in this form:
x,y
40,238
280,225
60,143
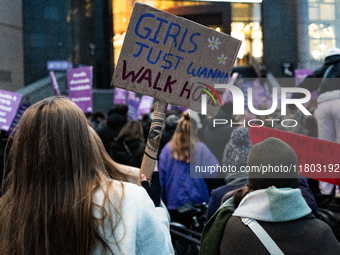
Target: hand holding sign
x,y
160,55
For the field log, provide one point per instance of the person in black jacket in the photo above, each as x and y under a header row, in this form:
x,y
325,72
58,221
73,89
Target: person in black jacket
x,y
216,138
326,80
109,129
128,148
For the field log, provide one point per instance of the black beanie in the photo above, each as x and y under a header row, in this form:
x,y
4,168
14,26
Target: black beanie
x,y
281,163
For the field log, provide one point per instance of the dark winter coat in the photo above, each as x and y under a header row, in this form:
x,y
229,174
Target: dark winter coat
x,y
304,236
132,157
328,84
216,137
109,129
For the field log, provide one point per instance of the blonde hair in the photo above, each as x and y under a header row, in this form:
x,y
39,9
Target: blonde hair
x,y
183,142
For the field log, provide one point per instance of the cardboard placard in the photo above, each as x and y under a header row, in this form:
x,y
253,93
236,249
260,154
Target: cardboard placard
x,y
9,103
318,159
162,53
79,82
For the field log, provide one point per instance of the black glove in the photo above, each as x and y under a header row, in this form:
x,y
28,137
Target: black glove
x,y
154,190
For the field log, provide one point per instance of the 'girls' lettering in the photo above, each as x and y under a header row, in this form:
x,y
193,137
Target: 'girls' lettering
x,y
174,31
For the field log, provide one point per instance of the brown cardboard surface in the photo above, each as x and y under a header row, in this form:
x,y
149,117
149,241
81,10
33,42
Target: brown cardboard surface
x,y
163,55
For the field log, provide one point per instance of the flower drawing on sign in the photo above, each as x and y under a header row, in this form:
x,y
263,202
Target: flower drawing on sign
x,y
213,43
222,59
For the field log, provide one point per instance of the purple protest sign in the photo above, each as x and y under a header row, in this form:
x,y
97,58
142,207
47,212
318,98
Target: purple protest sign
x,y
131,95
259,94
54,84
133,105
144,106
181,108
59,65
9,103
227,96
20,112
244,87
80,87
269,102
119,96
300,74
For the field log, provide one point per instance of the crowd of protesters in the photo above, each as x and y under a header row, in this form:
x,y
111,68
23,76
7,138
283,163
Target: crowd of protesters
x,y
69,181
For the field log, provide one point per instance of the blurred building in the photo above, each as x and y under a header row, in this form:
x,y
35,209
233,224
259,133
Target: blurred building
x,y
11,46
68,30
279,35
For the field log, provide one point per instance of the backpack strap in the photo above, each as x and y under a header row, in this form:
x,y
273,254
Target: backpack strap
x,y
263,236
132,157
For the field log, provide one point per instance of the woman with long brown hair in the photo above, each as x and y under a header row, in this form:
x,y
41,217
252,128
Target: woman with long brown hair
x,y
128,148
60,199
183,152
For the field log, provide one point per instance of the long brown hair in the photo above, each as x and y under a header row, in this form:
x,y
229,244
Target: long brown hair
x,y
132,130
47,207
183,142
237,194
113,171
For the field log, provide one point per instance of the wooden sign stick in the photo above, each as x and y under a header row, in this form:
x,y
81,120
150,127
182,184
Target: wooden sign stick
x,y
154,138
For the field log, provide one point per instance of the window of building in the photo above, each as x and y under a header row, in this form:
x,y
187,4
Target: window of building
x,y
321,29
246,26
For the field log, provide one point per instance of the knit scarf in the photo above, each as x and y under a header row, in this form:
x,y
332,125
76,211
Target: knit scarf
x,y
273,205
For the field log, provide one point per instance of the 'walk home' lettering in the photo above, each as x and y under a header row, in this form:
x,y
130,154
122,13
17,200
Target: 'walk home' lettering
x,y
147,75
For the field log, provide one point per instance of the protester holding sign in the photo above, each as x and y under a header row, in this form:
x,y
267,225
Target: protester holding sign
x,y
60,198
326,82
163,56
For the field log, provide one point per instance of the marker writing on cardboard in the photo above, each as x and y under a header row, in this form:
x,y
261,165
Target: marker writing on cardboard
x,y
173,32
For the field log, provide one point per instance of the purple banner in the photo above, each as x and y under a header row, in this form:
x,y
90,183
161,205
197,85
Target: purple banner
x,y
169,107
54,84
9,103
133,105
300,74
144,106
80,87
20,112
119,96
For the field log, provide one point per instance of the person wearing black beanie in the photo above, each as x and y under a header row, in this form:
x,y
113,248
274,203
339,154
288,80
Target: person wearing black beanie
x,y
275,155
269,214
